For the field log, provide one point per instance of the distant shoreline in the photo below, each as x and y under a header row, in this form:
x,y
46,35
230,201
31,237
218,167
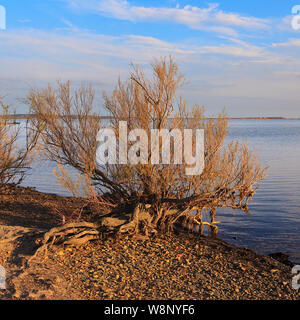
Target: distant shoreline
x,y
29,116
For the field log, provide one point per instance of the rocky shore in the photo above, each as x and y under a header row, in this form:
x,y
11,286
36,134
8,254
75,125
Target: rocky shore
x,y
177,266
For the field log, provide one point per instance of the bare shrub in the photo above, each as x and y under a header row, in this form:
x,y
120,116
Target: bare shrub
x,y
15,160
147,197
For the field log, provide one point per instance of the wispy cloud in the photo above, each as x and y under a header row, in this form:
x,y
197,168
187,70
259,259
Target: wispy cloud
x,y
24,21
210,18
295,42
229,71
77,54
69,26
82,54
240,49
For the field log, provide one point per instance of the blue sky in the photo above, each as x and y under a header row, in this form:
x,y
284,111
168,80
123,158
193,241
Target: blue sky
x,y
241,55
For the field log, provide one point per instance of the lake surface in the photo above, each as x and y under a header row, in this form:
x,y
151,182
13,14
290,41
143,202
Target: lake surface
x,y
273,224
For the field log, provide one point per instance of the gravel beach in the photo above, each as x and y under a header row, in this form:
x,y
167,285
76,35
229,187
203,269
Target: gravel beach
x,y
178,266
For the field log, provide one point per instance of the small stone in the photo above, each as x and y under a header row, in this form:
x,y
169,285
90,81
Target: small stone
x,y
274,270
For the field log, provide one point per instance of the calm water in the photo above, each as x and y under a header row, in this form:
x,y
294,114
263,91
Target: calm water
x,y
274,221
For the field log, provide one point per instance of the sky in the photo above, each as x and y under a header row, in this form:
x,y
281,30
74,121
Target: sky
x,y
243,56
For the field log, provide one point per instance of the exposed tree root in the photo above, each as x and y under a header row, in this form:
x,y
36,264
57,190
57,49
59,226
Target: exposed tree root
x,y
141,223
77,233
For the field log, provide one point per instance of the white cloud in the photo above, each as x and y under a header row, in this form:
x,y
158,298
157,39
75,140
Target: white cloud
x,y
240,49
24,21
290,43
80,55
209,19
220,74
